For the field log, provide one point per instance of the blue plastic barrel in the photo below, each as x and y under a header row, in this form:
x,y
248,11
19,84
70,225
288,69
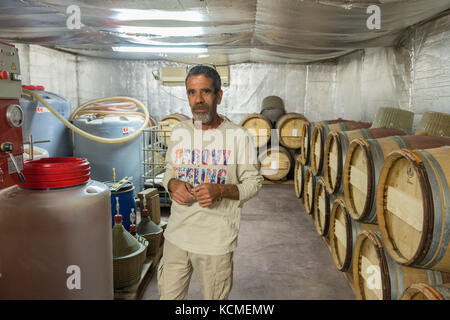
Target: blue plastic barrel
x,y
43,125
125,157
126,203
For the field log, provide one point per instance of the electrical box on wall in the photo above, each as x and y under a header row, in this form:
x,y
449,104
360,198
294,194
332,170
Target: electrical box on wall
x,y
175,76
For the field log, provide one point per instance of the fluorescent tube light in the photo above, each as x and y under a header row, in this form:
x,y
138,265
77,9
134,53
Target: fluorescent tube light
x,y
161,49
136,14
164,31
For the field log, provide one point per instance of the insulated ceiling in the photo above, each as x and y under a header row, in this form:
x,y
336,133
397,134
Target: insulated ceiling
x,y
232,31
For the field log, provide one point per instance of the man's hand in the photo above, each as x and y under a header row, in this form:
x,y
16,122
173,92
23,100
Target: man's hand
x,y
181,192
208,193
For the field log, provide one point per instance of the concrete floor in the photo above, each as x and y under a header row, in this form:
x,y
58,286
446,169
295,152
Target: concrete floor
x,y
279,256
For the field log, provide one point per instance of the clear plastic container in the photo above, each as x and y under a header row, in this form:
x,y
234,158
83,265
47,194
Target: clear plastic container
x,y
55,242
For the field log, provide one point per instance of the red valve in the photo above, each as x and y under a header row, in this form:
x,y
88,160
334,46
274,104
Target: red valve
x,y
4,75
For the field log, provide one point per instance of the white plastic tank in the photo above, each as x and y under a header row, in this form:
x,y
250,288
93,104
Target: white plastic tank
x,y
55,234
38,153
43,125
125,157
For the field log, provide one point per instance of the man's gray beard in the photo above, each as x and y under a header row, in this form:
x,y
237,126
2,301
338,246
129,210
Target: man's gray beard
x,y
204,117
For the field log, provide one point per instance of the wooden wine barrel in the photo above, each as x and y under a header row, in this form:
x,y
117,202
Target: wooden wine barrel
x,y
167,123
376,276
343,232
423,291
319,136
434,124
322,204
299,172
365,158
336,147
413,207
276,163
306,142
309,185
290,128
387,117
306,137
260,128
156,161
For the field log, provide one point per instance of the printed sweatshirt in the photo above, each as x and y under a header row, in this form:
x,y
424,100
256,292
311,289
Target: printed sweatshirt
x,y
224,155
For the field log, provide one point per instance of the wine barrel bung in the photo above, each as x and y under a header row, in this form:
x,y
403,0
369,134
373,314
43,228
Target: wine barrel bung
x,y
309,185
376,276
392,117
299,172
167,123
343,232
424,291
290,127
276,163
260,128
336,147
322,201
365,158
434,124
413,207
319,136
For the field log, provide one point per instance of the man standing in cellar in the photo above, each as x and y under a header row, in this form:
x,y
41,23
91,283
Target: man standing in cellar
x,y
211,170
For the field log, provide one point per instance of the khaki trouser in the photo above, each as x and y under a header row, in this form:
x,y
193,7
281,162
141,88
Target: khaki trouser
x,y
215,273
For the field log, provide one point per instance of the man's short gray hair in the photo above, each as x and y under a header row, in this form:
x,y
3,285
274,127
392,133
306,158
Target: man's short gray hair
x,y
208,72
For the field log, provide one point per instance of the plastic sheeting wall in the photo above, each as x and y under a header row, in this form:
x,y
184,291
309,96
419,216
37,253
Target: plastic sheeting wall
x,y
430,47
415,76
55,70
369,79
249,85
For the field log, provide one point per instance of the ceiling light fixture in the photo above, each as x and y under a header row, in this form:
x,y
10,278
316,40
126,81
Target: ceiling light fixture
x,y
135,14
164,31
161,49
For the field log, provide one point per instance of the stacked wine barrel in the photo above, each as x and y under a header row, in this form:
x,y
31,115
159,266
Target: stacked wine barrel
x,y
317,199
167,123
277,135
380,198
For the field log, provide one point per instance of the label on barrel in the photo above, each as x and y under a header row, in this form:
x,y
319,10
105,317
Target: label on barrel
x,y
273,165
294,132
41,110
125,130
